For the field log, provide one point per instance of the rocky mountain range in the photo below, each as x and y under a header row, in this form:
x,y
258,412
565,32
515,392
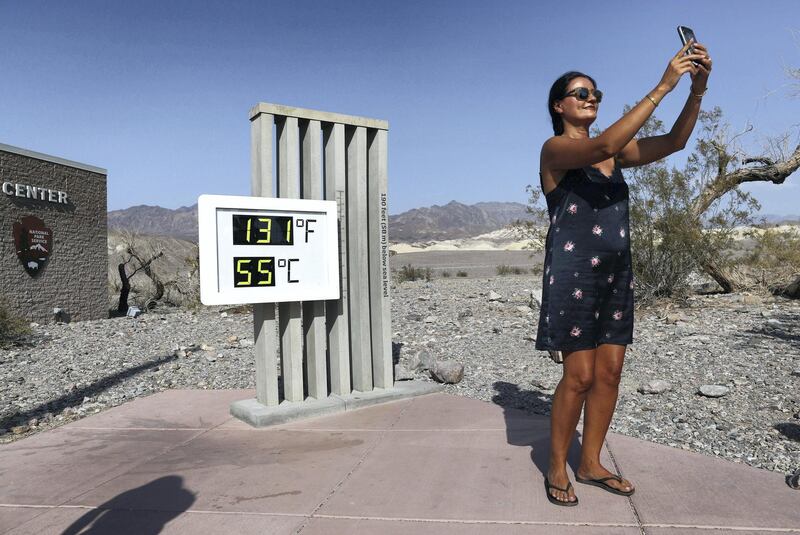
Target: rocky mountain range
x,y
451,221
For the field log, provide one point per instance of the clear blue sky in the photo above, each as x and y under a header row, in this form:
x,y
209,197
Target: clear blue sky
x,y
158,92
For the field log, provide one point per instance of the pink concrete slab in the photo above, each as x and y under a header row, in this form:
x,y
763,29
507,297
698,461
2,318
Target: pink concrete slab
x,y
326,526
266,472
11,517
675,486
375,417
170,409
119,522
468,475
51,467
706,531
447,411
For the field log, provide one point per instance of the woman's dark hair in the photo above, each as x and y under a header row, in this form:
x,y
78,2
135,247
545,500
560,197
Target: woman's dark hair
x,y
557,91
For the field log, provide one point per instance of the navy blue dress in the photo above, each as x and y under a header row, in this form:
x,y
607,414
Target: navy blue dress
x,y
587,281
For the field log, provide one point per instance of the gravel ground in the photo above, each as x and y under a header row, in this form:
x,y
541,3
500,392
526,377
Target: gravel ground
x,y
742,351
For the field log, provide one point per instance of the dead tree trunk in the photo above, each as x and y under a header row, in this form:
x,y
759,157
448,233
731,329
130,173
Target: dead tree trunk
x,y
724,182
122,305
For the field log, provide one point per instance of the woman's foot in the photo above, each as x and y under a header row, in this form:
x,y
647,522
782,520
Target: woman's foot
x,y
598,471
560,479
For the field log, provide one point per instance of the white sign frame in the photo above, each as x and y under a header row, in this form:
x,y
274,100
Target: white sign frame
x,y
211,290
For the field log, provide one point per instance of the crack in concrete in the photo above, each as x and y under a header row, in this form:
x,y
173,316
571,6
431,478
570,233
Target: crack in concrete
x,y
327,498
618,470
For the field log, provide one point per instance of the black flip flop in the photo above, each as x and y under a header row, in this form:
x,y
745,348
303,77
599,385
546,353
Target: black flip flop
x,y
555,500
609,488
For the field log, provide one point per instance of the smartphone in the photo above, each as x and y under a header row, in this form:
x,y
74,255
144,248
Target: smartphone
x,y
687,35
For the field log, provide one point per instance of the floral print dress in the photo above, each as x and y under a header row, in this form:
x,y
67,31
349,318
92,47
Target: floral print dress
x,y
587,281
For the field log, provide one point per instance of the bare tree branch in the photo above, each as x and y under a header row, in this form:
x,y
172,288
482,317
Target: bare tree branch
x,y
725,182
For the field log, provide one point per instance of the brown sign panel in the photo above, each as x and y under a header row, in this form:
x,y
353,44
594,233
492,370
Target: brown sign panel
x,y
33,242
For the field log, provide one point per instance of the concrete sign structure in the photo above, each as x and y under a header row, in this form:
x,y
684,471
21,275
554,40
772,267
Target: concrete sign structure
x,y
267,250
335,354
53,237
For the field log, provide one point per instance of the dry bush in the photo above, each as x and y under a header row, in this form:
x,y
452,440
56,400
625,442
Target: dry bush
x,y
12,327
774,261
411,273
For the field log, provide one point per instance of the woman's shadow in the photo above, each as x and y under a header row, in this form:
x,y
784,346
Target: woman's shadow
x,y
519,431
122,514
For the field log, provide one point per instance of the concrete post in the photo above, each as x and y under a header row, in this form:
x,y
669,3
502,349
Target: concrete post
x,y
357,263
264,324
337,311
289,322
378,228
313,311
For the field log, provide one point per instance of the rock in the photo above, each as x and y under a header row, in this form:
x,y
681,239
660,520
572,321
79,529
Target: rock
x,y
424,297
772,322
673,318
246,342
536,299
204,347
233,339
751,300
426,361
133,312
448,371
713,391
796,372
414,317
401,373
494,296
223,314
20,429
414,363
430,319
523,309
211,358
465,313
656,386
794,480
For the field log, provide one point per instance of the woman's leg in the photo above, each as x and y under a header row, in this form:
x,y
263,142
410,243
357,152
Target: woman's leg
x,y
601,400
566,410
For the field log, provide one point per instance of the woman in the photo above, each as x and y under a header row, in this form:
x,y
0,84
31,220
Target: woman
x,y
586,318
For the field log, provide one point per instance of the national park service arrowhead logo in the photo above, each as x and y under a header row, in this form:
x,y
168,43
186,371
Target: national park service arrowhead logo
x,y
33,242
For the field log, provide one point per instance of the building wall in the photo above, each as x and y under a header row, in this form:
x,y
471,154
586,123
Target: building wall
x,y
74,277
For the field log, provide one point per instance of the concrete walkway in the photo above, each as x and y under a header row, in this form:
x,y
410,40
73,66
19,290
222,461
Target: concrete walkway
x,y
176,462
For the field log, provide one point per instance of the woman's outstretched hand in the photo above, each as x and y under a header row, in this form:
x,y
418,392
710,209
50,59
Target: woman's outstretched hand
x,y
700,74
680,64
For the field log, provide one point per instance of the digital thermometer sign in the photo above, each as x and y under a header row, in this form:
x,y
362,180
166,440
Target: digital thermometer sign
x,y
267,250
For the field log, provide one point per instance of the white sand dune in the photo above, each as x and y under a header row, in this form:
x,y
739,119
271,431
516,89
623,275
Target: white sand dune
x,y
506,240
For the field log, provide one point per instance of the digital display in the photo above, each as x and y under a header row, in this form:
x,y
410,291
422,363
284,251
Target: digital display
x,y
254,271
262,230
267,250
249,271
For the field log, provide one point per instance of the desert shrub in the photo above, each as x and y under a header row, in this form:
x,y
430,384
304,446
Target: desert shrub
x,y
411,273
446,274
461,274
12,327
775,256
509,270
669,240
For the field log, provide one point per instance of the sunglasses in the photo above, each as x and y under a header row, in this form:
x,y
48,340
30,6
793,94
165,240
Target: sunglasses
x,y
582,93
